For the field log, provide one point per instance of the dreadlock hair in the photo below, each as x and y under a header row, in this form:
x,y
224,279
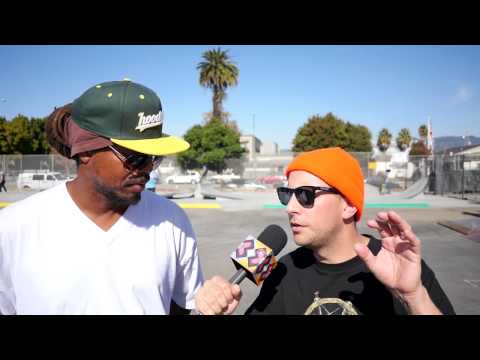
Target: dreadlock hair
x,y
55,127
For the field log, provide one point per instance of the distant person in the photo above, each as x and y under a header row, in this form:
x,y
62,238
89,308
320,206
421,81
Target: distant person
x,y
151,185
336,270
2,182
99,244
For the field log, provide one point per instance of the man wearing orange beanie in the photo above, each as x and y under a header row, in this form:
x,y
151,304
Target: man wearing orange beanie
x,y
337,270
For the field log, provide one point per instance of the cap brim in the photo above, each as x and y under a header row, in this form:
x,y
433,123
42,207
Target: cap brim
x,y
160,146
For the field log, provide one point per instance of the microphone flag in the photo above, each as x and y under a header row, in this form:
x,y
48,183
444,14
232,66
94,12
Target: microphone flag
x,y
256,258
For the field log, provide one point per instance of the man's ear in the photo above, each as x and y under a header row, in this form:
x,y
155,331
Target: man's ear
x,y
349,210
85,157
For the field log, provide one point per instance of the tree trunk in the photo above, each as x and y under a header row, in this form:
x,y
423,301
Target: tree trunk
x,y
217,103
205,171
383,146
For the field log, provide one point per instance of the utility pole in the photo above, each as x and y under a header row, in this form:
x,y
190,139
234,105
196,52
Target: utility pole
x,y
254,143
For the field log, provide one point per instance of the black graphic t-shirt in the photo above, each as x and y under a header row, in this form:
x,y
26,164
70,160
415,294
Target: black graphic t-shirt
x,y
301,285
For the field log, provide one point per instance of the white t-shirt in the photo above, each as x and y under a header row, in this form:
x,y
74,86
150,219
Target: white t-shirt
x,y
55,260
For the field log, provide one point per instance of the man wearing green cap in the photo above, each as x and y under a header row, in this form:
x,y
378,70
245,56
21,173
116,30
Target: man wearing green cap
x,y
100,244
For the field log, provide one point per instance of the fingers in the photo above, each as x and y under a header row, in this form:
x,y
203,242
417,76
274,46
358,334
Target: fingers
x,y
410,237
236,292
217,296
231,307
202,307
397,221
381,224
366,255
404,229
391,225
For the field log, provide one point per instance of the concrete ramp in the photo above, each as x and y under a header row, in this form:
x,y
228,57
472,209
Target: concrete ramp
x,y
411,192
470,227
177,195
474,237
207,192
415,189
472,212
463,226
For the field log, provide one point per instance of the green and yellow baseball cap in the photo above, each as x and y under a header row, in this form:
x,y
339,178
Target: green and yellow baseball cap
x,y
127,113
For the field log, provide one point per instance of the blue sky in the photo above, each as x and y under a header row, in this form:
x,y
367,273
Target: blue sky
x,y
281,86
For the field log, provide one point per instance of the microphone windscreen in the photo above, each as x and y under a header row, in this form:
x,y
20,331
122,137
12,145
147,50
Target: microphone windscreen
x,y
274,237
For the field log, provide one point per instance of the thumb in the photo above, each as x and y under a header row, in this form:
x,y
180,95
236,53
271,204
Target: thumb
x,y
236,292
365,254
231,307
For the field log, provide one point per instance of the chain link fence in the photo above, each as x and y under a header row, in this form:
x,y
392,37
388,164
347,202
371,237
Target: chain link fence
x,y
457,176
448,175
13,165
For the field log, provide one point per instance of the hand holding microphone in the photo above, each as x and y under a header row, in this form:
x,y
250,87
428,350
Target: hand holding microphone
x,y
217,297
255,259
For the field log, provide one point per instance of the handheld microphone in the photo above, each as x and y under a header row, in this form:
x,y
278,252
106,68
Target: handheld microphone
x,y
255,258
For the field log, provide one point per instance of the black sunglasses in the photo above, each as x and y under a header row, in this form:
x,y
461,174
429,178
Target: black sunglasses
x,y
136,161
305,194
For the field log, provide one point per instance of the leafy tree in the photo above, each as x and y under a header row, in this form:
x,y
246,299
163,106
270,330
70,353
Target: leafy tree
x,y
403,139
4,147
320,132
358,138
225,116
210,146
329,130
22,135
419,148
39,142
423,132
18,136
217,72
384,139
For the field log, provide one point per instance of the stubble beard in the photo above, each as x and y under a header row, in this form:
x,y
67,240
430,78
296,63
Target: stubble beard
x,y
113,197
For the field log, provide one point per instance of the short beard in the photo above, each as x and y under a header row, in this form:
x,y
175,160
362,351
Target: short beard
x,y
319,241
113,198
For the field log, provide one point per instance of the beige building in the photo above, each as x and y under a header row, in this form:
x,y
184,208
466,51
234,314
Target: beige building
x,y
269,148
252,144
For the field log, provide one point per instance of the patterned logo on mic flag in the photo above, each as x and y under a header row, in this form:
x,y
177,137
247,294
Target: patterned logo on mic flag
x,y
256,258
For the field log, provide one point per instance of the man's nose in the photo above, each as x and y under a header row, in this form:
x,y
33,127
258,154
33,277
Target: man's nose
x,y
293,206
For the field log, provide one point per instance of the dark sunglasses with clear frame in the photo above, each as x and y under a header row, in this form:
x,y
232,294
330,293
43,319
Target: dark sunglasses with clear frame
x,y
305,194
136,161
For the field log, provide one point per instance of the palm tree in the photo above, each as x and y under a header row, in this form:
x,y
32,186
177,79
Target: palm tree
x,y
218,73
404,139
423,132
384,139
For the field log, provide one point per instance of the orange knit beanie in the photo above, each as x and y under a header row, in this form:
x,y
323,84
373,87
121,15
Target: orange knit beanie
x,y
338,169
